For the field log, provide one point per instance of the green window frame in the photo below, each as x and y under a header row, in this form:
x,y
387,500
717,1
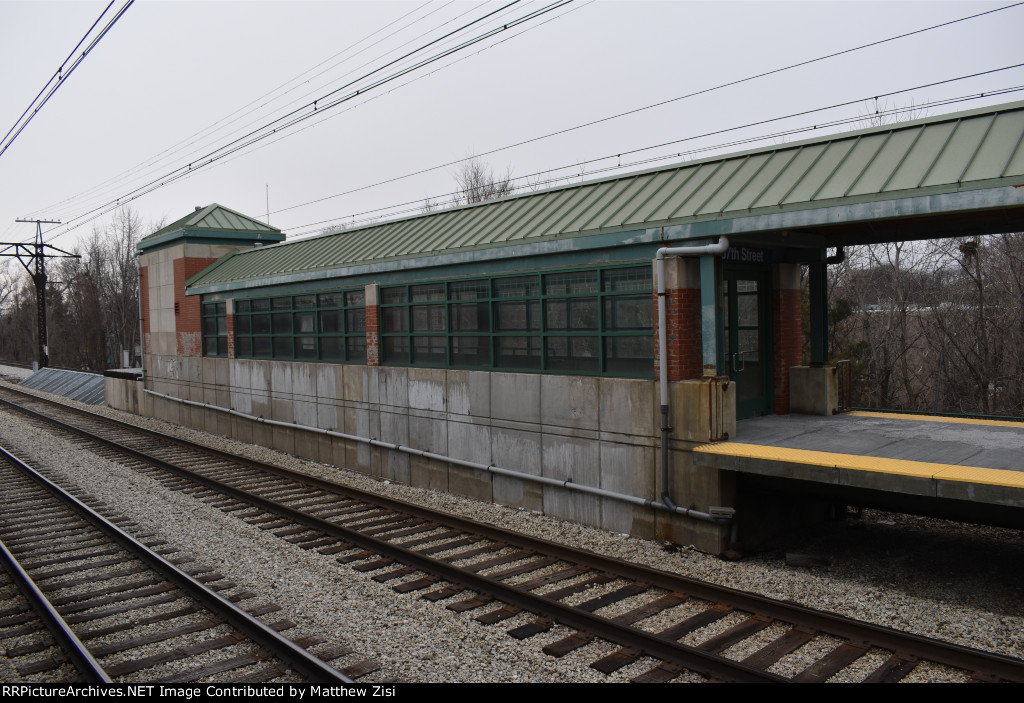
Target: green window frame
x,y
578,321
215,329
309,327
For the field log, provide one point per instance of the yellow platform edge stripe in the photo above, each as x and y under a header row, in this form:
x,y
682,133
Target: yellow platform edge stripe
x,y
857,462
939,418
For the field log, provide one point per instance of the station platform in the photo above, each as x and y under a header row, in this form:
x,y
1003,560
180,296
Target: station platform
x,y
872,453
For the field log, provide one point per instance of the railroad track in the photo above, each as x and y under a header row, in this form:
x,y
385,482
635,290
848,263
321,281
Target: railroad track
x,y
98,605
687,626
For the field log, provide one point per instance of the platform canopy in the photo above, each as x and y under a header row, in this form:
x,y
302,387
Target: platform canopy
x,y
947,175
213,224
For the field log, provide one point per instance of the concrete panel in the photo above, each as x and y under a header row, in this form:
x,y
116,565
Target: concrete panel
x,y
429,434
304,394
281,405
630,471
629,407
394,427
519,451
569,401
427,389
515,396
393,388
469,393
576,460
814,391
328,382
240,382
259,384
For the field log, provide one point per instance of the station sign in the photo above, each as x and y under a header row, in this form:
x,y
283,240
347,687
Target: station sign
x,y
747,255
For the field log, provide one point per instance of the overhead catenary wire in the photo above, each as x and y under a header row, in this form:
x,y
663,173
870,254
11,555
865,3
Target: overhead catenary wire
x,y
301,114
661,103
620,166
142,190
61,76
244,110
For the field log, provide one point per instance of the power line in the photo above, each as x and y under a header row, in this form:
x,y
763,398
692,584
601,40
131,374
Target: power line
x,y
294,117
644,108
749,140
61,76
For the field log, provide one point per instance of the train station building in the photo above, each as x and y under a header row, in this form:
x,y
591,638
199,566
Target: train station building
x,y
627,353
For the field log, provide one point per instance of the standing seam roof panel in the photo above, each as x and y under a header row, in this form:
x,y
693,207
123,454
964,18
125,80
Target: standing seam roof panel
x,y
448,230
546,223
513,211
794,168
852,165
613,212
574,208
891,151
607,198
672,188
651,190
528,223
751,192
700,204
819,172
957,154
920,156
991,159
683,195
747,171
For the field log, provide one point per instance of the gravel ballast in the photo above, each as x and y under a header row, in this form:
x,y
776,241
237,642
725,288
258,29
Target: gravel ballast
x,y
956,582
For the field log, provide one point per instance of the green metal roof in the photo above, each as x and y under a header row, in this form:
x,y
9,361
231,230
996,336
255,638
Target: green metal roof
x,y
978,149
215,220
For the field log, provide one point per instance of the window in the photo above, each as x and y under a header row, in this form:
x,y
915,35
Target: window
x,y
313,327
592,322
215,329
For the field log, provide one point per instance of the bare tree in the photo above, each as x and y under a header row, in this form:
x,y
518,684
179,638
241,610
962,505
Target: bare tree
x,y
477,183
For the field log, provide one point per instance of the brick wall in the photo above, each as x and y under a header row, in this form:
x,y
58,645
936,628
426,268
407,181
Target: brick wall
x,y
187,308
372,334
683,340
788,347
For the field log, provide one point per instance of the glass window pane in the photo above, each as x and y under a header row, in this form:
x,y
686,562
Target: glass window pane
x,y
517,352
572,354
281,303
243,324
392,295
396,349
332,348
261,305
283,323
356,348
471,317
222,324
355,298
471,351
518,315
305,347
570,283
520,287
222,346
243,347
395,319
746,309
209,325
261,347
467,290
304,302
629,312
209,346
355,321
429,350
330,321
261,324
639,278
241,306
571,314
282,347
330,300
304,323
629,355
428,318
428,293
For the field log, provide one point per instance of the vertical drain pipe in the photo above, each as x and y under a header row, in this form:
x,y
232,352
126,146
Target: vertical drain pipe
x,y
713,250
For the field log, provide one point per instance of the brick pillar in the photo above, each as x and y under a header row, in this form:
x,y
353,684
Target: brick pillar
x,y
373,351
229,308
188,318
147,346
788,332
682,320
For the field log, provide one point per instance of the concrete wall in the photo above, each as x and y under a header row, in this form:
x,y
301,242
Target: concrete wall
x,y
602,432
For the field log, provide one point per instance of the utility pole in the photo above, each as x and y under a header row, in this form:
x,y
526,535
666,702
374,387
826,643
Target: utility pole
x,y
33,258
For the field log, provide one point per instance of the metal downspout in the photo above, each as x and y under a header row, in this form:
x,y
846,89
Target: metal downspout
x,y
716,249
142,332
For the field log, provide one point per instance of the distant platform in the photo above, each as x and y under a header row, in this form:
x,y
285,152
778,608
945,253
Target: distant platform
x,y
960,459
75,385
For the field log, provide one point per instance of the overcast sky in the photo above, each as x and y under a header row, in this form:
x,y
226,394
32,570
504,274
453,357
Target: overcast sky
x,y
137,106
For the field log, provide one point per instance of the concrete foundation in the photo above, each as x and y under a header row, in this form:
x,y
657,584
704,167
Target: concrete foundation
x,y
600,432
814,390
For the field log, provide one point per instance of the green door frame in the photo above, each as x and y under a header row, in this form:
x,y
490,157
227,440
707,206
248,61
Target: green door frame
x,y
748,342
